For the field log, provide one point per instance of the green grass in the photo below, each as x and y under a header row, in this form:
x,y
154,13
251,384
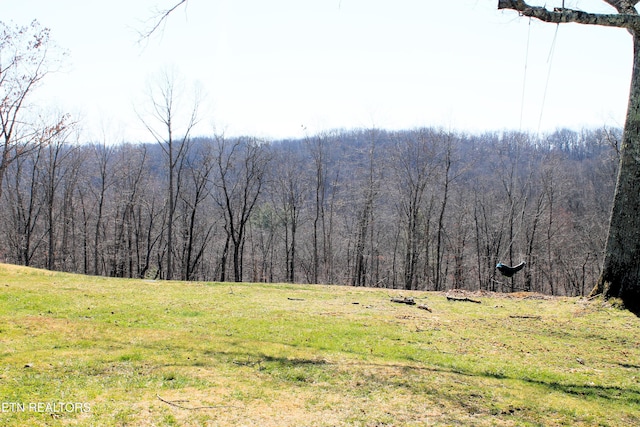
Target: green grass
x,y
113,352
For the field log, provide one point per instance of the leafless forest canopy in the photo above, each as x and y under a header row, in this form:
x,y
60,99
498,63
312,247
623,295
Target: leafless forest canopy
x,y
419,209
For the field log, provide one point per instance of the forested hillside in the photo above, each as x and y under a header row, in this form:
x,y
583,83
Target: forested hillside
x,y
420,209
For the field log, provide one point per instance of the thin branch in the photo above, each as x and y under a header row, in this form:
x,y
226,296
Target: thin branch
x,y
160,19
193,408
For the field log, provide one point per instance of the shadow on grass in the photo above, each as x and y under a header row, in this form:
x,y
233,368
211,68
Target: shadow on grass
x,y
628,396
285,361
297,370
251,359
629,366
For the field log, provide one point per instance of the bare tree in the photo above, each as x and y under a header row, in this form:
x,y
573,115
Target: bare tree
x,y
414,169
25,60
325,185
195,232
70,254
103,161
171,128
621,266
449,176
241,166
318,150
128,192
289,197
55,163
24,201
366,213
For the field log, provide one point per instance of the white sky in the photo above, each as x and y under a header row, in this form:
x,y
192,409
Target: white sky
x,y
289,68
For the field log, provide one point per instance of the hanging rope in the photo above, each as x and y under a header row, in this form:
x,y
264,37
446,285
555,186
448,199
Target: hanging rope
x,y
516,234
550,62
524,79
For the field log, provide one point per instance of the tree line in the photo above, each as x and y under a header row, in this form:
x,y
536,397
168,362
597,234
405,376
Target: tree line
x,y
416,209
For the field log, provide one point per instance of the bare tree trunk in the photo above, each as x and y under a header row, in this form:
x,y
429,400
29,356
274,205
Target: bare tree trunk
x,y
445,197
103,155
320,167
621,268
69,214
291,246
26,207
171,200
223,259
365,218
53,177
531,238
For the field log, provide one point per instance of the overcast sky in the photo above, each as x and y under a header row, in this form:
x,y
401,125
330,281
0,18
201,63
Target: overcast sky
x,y
288,68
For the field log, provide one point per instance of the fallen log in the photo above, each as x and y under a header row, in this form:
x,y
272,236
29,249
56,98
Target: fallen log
x,y
406,300
451,298
424,307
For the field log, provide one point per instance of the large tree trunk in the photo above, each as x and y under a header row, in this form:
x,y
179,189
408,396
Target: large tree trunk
x,y
621,269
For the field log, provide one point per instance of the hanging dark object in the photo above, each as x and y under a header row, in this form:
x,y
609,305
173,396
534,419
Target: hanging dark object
x,y
509,271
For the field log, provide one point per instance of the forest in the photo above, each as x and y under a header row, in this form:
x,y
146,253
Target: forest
x,y
423,209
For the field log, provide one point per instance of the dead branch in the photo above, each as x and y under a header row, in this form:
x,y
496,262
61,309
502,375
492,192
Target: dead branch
x,y
424,307
406,300
193,408
525,317
452,298
162,17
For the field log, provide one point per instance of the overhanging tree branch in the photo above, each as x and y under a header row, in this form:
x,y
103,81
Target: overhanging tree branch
x,y
159,19
626,18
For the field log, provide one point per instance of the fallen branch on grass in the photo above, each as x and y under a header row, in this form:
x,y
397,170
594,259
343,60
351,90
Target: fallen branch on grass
x,y
406,300
450,298
193,408
424,307
514,316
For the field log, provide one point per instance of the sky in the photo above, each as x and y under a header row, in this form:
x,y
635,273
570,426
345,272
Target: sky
x,y
293,68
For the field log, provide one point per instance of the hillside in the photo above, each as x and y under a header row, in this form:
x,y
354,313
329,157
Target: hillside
x,y
93,351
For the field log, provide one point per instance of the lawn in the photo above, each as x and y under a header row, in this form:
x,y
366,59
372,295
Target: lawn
x,y
92,351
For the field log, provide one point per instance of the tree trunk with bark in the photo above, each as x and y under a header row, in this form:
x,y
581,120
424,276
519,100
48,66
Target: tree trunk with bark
x,y
621,266
621,269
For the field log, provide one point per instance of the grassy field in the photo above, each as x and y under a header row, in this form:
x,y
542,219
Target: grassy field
x,y
91,351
